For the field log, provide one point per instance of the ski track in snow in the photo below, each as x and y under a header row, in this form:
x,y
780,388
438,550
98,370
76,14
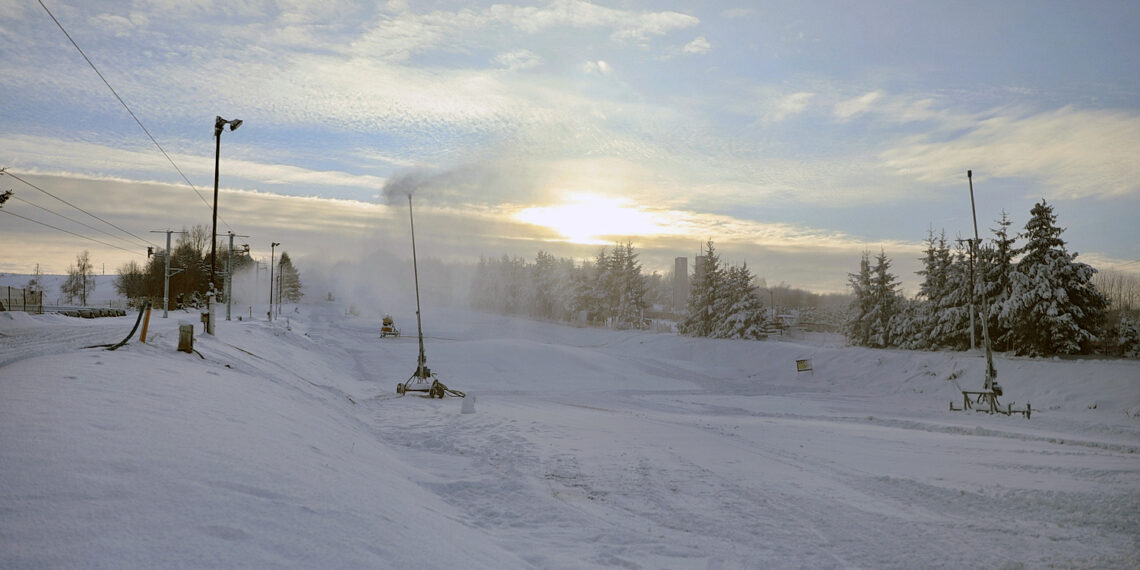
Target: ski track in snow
x,y
617,449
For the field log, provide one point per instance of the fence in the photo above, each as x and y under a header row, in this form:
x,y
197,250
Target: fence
x,y
15,299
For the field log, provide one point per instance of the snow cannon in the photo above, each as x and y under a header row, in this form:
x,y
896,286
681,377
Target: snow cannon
x,y
388,327
986,399
422,380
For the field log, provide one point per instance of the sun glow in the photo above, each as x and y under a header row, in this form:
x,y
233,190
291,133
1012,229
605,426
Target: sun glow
x,y
591,219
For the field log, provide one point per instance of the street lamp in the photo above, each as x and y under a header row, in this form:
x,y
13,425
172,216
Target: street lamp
x,y
271,252
219,124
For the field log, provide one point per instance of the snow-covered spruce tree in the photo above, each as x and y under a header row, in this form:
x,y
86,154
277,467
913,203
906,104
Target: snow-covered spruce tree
x,y
857,328
950,319
995,265
629,284
1053,307
745,315
291,287
541,286
706,287
934,288
907,325
885,302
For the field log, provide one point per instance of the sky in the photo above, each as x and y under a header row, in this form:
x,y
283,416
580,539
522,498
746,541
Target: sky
x,y
794,135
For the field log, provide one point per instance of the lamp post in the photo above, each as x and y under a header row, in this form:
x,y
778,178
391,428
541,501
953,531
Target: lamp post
x,y
271,252
219,124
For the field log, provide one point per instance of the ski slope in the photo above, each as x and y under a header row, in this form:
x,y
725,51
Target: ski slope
x,y
285,445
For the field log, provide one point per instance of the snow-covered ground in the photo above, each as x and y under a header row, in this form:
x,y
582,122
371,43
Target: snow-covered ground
x,y
285,445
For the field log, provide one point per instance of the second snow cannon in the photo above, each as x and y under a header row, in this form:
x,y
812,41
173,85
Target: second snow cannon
x,y
422,380
388,327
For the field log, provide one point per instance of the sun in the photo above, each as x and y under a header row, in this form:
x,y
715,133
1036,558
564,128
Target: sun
x,y
589,218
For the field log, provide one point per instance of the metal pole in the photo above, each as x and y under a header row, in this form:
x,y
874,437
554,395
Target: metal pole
x,y
420,373
973,286
279,280
214,234
273,245
991,373
166,279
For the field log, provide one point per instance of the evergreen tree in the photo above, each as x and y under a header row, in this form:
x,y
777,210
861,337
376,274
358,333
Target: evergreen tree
x,y
885,302
290,280
707,286
857,328
542,286
922,333
994,282
950,317
745,315
907,325
630,284
1053,306
80,281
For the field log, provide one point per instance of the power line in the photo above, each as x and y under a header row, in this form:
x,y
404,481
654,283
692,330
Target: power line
x,y
125,106
66,218
10,213
5,171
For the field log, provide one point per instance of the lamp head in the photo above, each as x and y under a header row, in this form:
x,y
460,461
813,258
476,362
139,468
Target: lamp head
x,y
220,123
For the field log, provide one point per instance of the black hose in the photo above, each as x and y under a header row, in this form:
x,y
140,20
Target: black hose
x,y
142,309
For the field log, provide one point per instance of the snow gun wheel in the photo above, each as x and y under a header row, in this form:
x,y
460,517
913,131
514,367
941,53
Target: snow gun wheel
x,y
400,388
436,390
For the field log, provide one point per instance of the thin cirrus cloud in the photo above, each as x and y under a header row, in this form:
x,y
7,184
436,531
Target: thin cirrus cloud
x,y
1075,153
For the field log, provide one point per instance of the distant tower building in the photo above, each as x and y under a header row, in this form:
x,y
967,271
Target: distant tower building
x,y
680,283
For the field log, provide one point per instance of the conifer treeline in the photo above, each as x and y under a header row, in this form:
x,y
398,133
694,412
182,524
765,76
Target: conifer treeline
x,y
609,289
1038,300
723,301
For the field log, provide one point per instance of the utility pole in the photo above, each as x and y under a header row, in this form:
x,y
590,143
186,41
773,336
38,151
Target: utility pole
x,y
229,273
167,273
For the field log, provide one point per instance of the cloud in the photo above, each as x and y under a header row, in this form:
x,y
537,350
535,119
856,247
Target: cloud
x,y
700,45
846,109
789,105
599,67
1076,153
28,152
625,24
518,60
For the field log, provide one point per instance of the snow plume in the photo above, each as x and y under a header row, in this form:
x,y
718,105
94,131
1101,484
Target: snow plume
x,y
491,180
462,180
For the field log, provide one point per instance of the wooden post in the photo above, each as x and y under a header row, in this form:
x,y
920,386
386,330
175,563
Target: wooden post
x,y
185,337
146,321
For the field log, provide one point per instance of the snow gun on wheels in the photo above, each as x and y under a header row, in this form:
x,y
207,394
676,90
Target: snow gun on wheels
x,y
422,380
986,399
388,327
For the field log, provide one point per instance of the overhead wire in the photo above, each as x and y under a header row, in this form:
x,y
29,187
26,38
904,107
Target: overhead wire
x,y
5,171
48,210
129,111
11,213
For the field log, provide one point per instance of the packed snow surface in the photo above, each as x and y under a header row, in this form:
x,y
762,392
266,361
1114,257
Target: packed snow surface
x,y
285,445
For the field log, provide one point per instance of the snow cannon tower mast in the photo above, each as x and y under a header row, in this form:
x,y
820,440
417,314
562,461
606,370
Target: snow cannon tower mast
x,y
422,380
991,373
987,399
